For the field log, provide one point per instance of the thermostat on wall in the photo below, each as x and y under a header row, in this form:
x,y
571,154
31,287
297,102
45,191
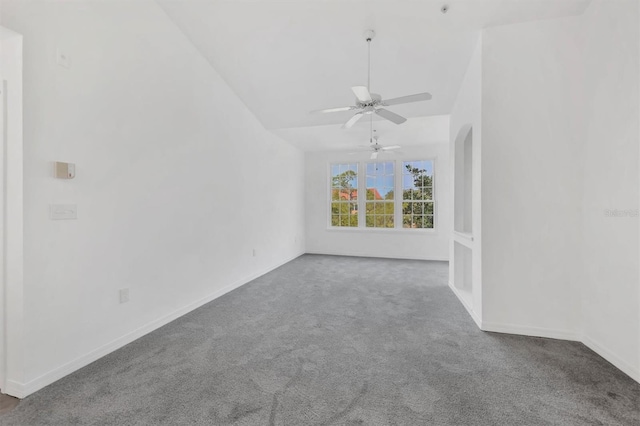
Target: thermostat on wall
x,y
64,170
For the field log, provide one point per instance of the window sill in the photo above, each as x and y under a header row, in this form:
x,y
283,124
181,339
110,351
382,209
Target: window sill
x,y
464,238
402,231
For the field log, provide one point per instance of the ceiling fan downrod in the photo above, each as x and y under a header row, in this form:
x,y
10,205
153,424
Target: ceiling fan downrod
x,y
368,36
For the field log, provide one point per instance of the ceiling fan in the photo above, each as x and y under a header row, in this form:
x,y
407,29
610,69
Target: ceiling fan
x,y
376,148
372,103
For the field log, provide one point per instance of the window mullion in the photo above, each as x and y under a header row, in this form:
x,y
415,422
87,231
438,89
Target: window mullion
x,y
362,194
397,194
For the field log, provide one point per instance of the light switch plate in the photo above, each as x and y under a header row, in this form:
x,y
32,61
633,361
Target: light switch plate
x,y
63,211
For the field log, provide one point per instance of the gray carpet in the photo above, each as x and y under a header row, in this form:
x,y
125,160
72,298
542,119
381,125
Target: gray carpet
x,y
329,340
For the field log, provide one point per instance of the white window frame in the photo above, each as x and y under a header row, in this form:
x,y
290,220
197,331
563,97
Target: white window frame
x,y
433,195
395,186
397,191
330,193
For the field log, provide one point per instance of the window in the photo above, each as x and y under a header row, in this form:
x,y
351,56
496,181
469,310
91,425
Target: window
x,y
344,195
380,203
417,194
399,194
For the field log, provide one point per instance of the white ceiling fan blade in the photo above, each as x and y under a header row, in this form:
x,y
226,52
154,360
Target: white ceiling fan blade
x,y
387,148
391,116
374,155
362,93
407,99
340,109
352,121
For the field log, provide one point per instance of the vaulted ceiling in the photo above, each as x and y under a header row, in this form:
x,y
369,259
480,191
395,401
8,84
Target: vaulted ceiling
x,y
285,58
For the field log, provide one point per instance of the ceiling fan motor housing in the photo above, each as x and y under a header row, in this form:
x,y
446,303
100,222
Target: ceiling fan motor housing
x,y
369,107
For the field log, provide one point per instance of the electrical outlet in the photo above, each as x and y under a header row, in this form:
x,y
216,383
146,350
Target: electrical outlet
x,y
124,295
63,211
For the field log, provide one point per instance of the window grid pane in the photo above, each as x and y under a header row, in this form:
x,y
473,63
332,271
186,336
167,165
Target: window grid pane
x,y
344,195
417,194
417,214
378,182
380,195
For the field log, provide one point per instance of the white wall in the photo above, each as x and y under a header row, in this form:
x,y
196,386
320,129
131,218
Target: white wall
x,y
405,244
176,183
11,179
532,170
610,286
466,116
560,133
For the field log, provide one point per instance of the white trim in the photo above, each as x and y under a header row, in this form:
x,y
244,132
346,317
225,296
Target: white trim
x,y
463,241
362,254
329,182
22,390
3,240
434,199
14,389
466,305
600,350
465,238
12,309
619,363
362,192
531,331
372,230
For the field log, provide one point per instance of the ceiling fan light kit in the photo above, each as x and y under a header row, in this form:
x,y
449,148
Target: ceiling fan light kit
x,y
368,103
376,148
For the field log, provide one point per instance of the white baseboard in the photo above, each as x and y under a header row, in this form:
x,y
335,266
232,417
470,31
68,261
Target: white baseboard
x,y
22,390
362,254
531,331
16,389
466,305
622,365
628,369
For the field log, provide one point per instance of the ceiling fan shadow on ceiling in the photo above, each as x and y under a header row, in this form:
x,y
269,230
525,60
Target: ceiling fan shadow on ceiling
x,y
368,103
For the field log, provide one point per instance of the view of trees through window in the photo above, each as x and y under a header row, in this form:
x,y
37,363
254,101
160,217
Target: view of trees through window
x,y
344,195
416,195
380,206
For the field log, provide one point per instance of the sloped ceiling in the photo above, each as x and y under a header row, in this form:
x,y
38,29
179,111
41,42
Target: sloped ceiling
x,y
286,58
